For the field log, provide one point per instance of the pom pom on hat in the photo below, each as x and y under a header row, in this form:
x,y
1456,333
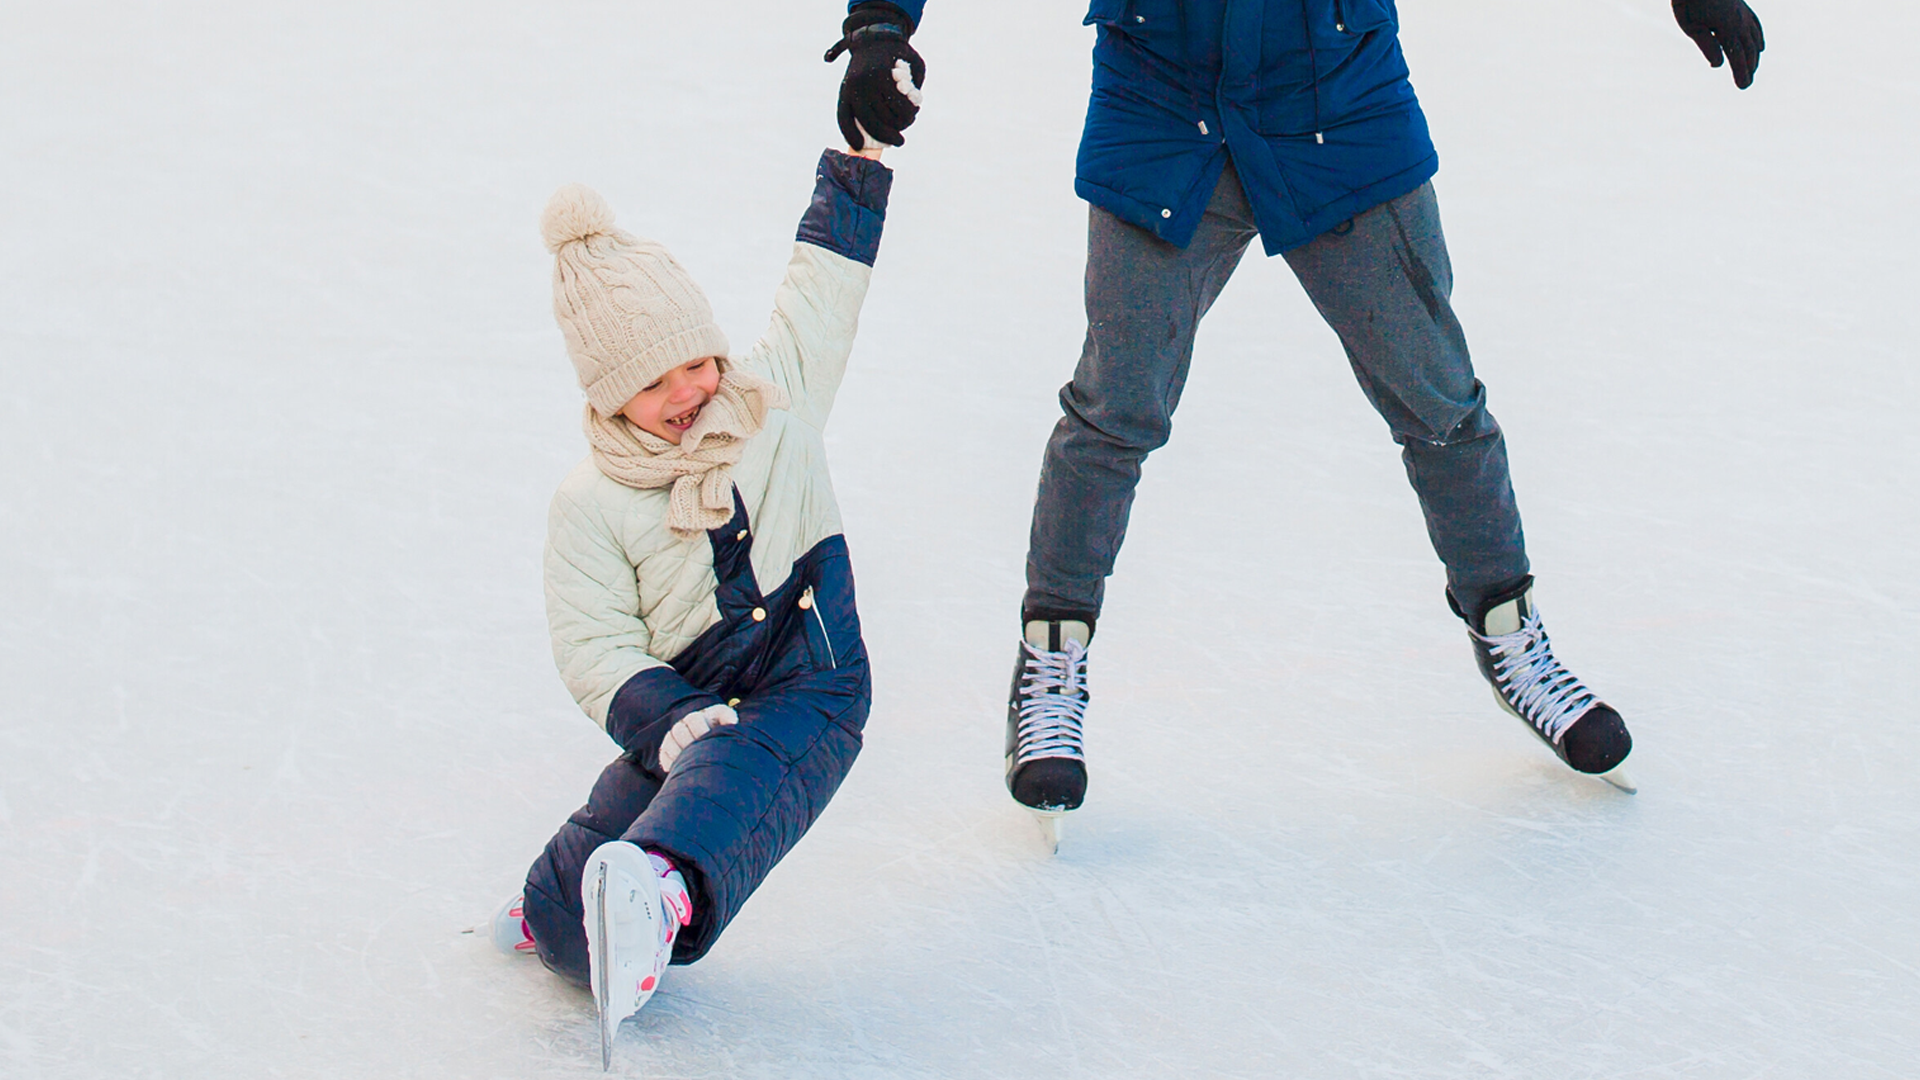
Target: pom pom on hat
x,y
575,212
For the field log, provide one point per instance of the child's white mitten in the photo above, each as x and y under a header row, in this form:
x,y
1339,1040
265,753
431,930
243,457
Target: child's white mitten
x,y
691,727
904,82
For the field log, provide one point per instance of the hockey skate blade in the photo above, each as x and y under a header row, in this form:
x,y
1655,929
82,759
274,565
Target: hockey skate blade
x,y
1053,825
1618,778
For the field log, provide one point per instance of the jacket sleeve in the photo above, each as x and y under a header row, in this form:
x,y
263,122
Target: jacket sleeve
x,y
599,640
816,310
913,8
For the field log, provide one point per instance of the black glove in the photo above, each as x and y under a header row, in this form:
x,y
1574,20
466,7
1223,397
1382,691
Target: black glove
x,y
1724,27
875,38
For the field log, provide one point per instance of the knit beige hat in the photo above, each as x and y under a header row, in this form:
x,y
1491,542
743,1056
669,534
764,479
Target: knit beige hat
x,y
629,312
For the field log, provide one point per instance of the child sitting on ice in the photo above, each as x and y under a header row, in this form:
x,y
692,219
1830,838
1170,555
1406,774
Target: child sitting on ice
x,y
698,588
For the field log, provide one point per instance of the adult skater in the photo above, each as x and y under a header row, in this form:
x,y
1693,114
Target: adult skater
x,y
1210,123
698,588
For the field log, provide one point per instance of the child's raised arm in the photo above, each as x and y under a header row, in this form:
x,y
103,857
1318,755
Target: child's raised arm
x,y
816,310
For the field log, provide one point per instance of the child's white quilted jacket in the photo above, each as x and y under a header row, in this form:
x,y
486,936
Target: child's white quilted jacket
x,y
623,592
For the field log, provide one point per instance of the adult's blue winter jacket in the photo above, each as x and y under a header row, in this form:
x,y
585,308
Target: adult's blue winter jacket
x,y
1309,98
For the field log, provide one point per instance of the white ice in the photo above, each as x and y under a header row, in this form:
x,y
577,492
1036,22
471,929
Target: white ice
x,y
282,403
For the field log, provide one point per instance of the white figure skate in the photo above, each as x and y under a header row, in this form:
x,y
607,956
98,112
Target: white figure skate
x,y
635,904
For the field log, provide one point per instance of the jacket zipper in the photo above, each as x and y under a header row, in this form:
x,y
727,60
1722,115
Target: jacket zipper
x,y
1193,94
832,661
1313,61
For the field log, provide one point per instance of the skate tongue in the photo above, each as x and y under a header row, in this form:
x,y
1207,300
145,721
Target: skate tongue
x,y
1053,635
1503,619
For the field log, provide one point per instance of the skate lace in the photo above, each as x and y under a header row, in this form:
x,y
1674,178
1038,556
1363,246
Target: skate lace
x,y
1053,705
1534,682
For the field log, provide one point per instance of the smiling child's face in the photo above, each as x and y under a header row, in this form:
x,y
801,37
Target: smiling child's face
x,y
669,405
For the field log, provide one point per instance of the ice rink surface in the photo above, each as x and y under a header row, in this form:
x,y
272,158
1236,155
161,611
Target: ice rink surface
x,y
282,404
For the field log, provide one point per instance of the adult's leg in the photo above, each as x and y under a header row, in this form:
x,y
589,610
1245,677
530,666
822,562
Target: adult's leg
x,y
1145,298
1384,284
552,908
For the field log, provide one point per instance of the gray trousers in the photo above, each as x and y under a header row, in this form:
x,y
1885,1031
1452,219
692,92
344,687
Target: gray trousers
x,y
1382,281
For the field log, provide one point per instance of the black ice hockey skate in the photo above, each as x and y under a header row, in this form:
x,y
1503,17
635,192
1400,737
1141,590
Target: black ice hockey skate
x,y
1046,707
1511,645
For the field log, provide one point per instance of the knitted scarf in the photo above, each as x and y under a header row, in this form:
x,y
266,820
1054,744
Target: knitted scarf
x,y
700,467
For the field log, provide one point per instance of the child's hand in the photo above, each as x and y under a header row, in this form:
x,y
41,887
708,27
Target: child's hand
x,y
691,727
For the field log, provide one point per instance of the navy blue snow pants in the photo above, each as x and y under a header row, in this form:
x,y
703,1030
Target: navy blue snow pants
x,y
740,797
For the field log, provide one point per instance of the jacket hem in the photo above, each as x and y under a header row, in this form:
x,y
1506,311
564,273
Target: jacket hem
x,y
1353,205
1172,224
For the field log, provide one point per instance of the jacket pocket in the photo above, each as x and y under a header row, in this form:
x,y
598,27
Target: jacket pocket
x,y
1356,17
819,638
1143,20
1301,26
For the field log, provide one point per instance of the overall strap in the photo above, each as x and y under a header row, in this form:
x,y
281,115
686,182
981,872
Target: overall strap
x,y
738,591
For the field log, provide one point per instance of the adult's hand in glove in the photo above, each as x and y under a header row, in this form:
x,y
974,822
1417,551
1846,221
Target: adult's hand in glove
x,y
690,727
1725,30
880,95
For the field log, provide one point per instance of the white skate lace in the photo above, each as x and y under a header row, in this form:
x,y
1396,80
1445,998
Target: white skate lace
x,y
1053,704
1544,693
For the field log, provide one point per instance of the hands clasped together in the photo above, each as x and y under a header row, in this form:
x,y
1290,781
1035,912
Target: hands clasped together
x,y
880,95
